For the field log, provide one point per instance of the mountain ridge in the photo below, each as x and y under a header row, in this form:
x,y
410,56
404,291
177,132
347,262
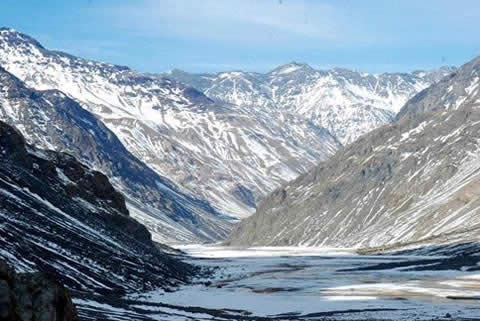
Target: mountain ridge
x,y
348,103
218,151
413,181
229,139
52,120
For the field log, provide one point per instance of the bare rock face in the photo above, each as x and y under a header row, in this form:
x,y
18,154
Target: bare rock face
x,y
33,296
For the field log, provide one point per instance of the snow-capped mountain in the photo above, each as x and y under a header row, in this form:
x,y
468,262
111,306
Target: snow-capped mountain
x,y
227,154
347,103
50,119
416,181
59,217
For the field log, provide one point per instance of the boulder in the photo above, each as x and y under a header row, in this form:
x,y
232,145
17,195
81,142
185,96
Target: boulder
x,y
33,296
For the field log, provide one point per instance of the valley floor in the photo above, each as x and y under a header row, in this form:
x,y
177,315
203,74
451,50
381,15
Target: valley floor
x,y
307,284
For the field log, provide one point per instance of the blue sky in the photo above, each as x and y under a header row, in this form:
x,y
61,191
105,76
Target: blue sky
x,y
254,35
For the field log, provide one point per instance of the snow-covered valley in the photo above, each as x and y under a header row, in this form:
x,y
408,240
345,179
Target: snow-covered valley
x,y
306,284
271,160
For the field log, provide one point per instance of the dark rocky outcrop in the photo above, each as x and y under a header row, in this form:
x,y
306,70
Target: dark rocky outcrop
x,y
33,296
61,218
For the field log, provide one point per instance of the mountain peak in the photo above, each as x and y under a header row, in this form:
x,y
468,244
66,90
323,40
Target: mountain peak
x,y
475,62
291,67
6,29
14,37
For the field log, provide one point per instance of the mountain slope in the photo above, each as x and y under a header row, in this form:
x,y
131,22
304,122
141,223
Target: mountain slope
x,y
51,120
414,181
60,217
347,103
460,89
221,152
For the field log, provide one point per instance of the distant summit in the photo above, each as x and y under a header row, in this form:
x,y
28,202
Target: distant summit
x,y
347,103
291,68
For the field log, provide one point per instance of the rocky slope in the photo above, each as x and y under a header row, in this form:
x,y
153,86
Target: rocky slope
x,y
59,217
33,296
347,103
50,119
458,90
225,153
415,181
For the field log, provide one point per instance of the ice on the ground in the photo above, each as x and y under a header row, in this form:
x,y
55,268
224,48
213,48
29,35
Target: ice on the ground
x,y
267,282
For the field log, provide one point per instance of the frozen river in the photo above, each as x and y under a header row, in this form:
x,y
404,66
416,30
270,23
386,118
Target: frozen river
x,y
310,284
